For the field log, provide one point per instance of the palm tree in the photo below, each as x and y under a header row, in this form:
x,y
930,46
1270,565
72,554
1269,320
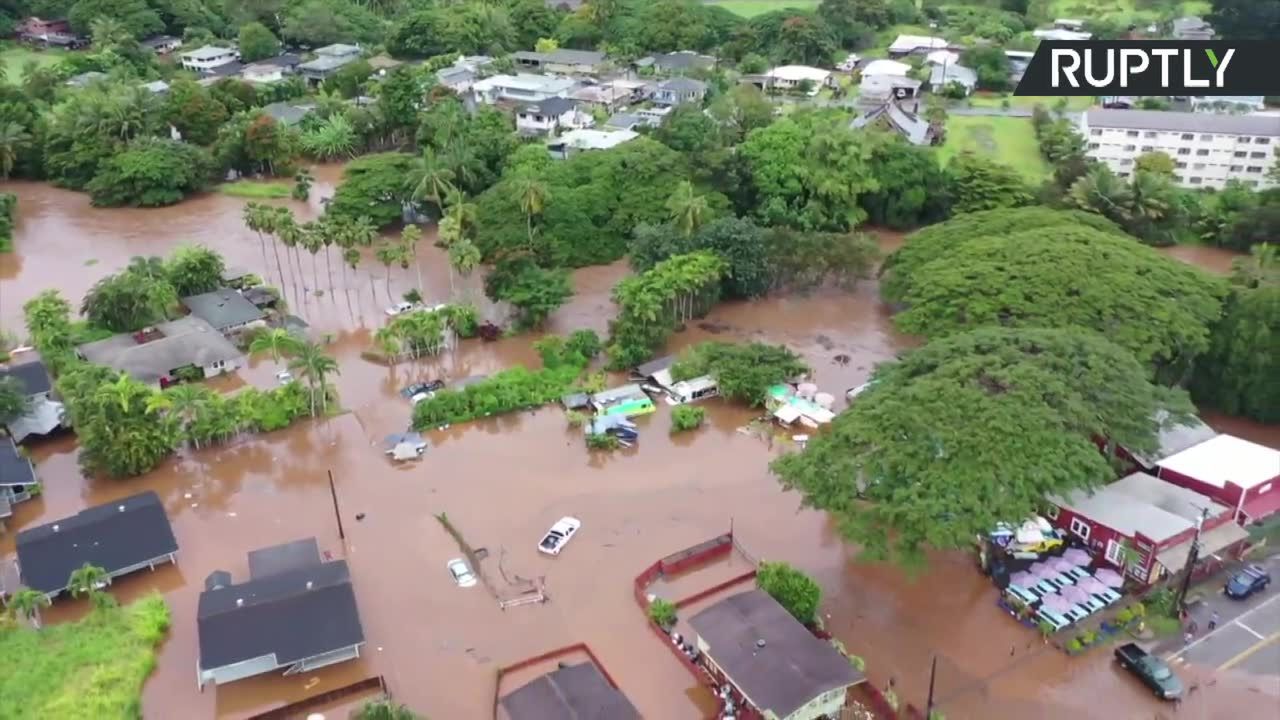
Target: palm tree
x,y
389,254
459,158
256,220
384,709
409,238
277,341
532,193
1260,269
313,364
87,580
464,257
187,403
388,341
327,233
290,233
27,603
435,179
687,209
351,258
13,138
302,182
311,241
125,391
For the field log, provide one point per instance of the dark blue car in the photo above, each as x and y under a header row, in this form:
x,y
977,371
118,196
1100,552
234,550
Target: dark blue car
x,y
1250,579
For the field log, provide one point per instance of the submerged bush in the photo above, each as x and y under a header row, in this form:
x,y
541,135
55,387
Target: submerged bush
x,y
687,417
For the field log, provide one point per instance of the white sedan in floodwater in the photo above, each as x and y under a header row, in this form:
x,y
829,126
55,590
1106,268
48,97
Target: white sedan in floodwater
x,y
559,535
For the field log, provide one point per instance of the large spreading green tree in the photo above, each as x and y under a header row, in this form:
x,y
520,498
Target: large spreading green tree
x,y
257,42
978,183
375,186
151,172
1157,308
976,429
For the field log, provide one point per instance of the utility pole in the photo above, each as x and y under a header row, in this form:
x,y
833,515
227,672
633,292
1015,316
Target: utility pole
x,y
1193,555
933,674
337,514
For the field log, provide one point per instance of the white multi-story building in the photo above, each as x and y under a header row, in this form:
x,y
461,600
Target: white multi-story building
x,y
1207,150
209,57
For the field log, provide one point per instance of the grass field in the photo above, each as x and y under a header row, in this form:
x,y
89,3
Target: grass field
x,y
1125,10
751,8
93,668
1007,140
14,57
256,189
986,100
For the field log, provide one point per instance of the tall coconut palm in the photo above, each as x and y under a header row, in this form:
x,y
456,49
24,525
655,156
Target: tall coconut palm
x,y
255,219
462,162
185,403
13,138
532,194
687,209
290,233
388,341
87,580
312,363
327,233
311,241
464,257
410,236
389,254
27,603
277,341
435,179
124,392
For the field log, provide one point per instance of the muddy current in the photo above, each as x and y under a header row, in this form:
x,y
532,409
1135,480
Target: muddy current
x,y
503,481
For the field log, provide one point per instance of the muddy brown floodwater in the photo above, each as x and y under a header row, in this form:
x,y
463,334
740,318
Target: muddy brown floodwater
x,y
503,481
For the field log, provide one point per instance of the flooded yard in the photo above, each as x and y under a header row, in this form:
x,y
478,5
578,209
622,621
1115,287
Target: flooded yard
x,y
504,481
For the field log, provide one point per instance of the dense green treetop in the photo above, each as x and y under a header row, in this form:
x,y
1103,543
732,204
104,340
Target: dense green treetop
x,y
935,241
1158,308
257,42
979,183
375,186
976,429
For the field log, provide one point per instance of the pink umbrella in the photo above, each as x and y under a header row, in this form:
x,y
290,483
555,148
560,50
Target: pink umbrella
x,y
1074,595
1077,557
1062,565
1091,585
1043,571
1109,577
1056,603
1023,579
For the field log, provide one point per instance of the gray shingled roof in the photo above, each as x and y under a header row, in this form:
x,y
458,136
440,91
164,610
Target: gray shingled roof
x,y
575,692
1140,503
562,56
186,341
552,106
772,659
1265,125
943,74
15,468
33,376
223,308
682,85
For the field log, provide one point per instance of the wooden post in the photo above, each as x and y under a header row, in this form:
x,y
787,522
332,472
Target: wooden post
x,y
333,492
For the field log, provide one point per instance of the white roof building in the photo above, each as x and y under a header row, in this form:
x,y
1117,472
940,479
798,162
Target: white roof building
x,y
1226,459
1060,34
942,57
885,67
800,73
594,139
911,43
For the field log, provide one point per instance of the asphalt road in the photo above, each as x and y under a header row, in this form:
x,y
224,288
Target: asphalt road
x,y
1250,641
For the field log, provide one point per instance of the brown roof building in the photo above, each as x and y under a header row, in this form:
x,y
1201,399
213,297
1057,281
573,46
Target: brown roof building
x,y
773,661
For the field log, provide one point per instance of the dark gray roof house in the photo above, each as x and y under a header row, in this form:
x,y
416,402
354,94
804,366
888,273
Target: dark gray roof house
x,y
682,61
559,60
43,413
623,121
574,692
770,658
153,356
224,309
295,613
287,61
891,116
552,107
32,376
120,537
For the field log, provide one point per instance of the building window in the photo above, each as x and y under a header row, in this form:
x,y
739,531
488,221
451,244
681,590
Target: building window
x,y
1206,137
1257,155
1180,165
1051,512
1236,168
1253,169
1126,162
1093,146
1240,153
1196,181
1202,153
1095,133
1251,183
1198,166
1184,151
1188,136
1115,553
1131,133
1129,148
1122,175
1080,527
1262,141
1147,148
1149,134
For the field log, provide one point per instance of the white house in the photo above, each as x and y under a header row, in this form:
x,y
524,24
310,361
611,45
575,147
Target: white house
x,y
209,57
550,116
1060,34
943,57
791,76
262,74
1207,149
679,90
908,44
885,68
576,141
522,87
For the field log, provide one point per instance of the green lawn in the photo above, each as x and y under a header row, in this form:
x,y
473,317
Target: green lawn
x,y
751,8
1126,10
256,189
14,57
1008,140
1026,102
93,668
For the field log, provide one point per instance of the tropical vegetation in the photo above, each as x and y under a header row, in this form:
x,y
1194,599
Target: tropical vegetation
x,y
653,304
793,590
742,371
92,667
687,417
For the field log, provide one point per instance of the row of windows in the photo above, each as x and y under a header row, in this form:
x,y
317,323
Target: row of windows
x,y
1189,136
1196,180
1201,152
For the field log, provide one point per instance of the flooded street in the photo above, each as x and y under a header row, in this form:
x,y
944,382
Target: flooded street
x,y
503,482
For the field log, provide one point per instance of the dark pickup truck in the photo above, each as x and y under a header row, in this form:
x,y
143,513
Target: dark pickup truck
x,y
1151,670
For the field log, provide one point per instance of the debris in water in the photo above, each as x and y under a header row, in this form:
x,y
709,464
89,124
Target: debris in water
x,y
195,505
359,517
842,359
824,342
186,496
311,683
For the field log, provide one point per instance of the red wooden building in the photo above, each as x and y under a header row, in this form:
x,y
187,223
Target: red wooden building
x,y
1155,520
1240,474
37,27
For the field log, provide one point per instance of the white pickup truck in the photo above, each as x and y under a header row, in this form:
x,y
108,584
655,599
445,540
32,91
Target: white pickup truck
x,y
559,535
